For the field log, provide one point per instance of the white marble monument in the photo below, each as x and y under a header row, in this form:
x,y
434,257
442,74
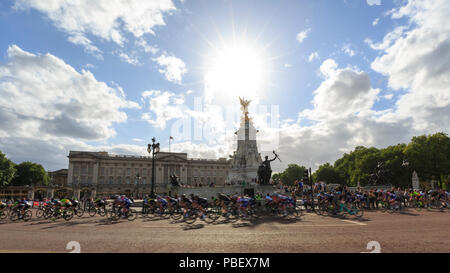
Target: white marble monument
x,y
246,159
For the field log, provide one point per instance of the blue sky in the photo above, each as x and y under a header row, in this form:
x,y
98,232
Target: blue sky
x,y
336,85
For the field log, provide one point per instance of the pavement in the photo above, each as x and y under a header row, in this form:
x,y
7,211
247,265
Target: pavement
x,y
409,231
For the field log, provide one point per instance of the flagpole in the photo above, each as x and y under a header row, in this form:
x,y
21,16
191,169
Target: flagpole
x,y
169,143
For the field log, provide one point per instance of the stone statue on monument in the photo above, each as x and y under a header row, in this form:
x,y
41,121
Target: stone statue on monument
x,y
265,171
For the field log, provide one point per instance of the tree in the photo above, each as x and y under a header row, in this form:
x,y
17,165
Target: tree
x,y
275,177
7,170
291,173
28,173
328,174
429,155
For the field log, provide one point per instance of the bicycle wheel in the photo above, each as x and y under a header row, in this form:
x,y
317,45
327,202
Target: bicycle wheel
x,y
358,212
2,215
39,213
113,215
101,212
176,214
92,211
151,213
131,215
27,215
209,219
191,218
292,213
48,213
418,206
68,214
80,212
165,214
318,211
14,215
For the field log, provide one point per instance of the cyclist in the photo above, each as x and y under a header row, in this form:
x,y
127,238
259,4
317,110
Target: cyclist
x,y
66,203
22,205
223,201
117,203
99,203
199,204
161,203
186,204
127,202
243,204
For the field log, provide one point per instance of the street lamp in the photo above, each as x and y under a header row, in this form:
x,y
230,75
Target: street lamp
x,y
153,149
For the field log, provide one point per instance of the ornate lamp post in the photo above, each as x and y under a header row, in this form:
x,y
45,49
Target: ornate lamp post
x,y
153,149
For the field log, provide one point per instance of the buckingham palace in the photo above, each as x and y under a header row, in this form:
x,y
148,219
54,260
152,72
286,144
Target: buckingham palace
x,y
125,174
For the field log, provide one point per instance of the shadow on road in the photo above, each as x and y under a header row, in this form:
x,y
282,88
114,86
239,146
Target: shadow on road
x,y
190,227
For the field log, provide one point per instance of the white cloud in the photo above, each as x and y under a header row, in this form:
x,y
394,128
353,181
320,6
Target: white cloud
x,y
342,93
172,67
328,67
131,59
138,139
52,152
313,56
418,61
301,36
287,65
88,47
347,50
374,2
107,19
388,96
48,108
375,22
147,48
42,95
388,39
163,106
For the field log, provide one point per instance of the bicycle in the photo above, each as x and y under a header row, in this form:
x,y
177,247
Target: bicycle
x,y
96,210
353,210
116,213
18,214
56,213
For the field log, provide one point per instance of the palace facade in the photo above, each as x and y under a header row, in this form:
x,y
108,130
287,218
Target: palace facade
x,y
122,174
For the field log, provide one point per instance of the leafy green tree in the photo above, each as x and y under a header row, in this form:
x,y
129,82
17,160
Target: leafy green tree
x,y
28,173
7,170
429,155
328,174
393,158
291,173
275,177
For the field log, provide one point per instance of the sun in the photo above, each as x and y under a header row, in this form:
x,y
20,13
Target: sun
x,y
237,70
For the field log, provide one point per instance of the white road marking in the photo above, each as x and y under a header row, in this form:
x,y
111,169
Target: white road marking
x,y
353,222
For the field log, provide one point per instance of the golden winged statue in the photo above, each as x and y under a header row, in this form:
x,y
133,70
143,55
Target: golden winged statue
x,y
244,104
